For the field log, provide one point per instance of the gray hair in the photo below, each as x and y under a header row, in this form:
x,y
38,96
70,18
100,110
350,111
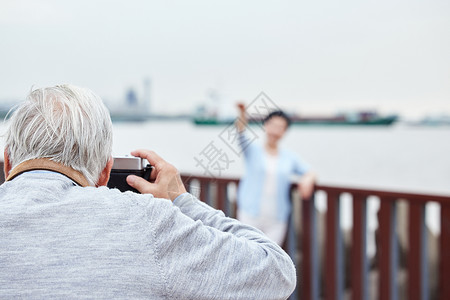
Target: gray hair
x,y
67,124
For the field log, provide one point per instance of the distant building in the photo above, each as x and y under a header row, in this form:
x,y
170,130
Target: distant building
x,y
135,107
131,97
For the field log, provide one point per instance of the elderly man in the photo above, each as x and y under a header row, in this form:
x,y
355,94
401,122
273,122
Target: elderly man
x,y
64,234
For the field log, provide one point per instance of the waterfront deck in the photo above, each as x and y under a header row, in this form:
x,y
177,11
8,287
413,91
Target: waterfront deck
x,y
410,262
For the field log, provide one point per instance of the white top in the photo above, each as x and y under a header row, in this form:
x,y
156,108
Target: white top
x,y
268,202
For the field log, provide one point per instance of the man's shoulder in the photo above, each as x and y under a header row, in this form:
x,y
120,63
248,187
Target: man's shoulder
x,y
108,203
104,193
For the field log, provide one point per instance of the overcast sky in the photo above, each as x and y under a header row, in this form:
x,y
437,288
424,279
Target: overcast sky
x,y
312,56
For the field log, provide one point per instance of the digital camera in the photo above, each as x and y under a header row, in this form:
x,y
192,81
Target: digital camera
x,y
124,166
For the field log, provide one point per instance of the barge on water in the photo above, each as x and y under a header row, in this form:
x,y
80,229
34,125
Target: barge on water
x,y
361,118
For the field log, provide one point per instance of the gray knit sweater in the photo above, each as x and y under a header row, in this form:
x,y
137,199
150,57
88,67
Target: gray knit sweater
x,y
59,240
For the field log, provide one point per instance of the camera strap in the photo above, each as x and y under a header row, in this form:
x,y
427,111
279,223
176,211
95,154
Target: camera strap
x,y
49,165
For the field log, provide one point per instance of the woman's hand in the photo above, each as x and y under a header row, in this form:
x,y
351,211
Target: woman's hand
x,y
241,107
306,185
165,178
241,121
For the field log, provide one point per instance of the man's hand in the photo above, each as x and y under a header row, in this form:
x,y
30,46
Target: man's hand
x,y
166,181
306,185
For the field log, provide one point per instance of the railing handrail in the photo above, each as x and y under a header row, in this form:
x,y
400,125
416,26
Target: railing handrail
x,y
386,193
419,197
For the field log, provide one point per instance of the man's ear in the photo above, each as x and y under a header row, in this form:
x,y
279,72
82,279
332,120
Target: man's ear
x,y
104,176
7,164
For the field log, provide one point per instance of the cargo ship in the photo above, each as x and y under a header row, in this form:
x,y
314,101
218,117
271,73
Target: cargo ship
x,y
359,118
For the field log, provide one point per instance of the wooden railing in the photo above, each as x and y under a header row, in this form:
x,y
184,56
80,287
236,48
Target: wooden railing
x,y
328,283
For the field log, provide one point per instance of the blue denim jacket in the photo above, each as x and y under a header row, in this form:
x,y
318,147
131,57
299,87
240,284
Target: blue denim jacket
x,y
250,187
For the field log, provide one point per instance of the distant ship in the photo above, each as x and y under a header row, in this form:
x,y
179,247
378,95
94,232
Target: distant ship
x,y
359,118
439,120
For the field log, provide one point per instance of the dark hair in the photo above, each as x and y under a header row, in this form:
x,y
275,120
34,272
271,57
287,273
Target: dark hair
x,y
278,113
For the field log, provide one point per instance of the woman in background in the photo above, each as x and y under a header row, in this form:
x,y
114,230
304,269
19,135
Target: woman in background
x,y
263,195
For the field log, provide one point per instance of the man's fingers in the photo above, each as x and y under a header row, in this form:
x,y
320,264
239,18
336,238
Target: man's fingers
x,y
139,183
167,181
153,158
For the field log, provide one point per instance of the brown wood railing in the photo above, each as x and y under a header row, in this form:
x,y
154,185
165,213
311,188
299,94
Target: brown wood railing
x,y
216,193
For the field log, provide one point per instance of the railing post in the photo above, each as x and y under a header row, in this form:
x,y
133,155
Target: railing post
x,y
221,195
359,246
417,267
204,190
334,270
309,277
187,182
444,264
388,250
2,174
